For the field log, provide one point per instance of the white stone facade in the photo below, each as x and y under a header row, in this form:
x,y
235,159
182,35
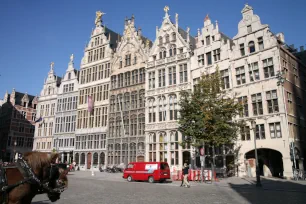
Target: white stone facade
x,y
44,130
66,114
90,143
168,72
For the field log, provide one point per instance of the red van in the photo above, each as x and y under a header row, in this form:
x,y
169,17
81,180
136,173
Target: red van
x,y
147,171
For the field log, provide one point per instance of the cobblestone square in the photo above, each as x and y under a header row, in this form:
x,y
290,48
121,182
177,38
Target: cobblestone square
x,y
112,189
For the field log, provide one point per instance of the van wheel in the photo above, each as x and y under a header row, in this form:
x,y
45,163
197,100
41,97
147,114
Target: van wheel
x,y
162,181
151,179
129,178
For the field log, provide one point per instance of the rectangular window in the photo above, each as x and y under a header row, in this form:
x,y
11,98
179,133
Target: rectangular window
x,y
152,80
275,130
216,55
254,71
257,104
243,100
260,132
242,52
225,79
183,73
240,75
208,58
172,75
290,105
245,133
268,67
201,60
272,101
161,78
260,43
128,60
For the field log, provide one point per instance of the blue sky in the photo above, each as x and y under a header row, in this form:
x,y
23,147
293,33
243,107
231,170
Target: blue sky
x,y
34,33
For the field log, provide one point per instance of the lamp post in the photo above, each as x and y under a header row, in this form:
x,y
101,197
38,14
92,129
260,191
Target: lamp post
x,y
258,183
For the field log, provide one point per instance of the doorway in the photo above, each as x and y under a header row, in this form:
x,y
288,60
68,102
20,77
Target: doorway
x,y
186,157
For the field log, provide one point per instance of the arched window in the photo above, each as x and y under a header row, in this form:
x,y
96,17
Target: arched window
x,y
69,75
251,47
117,153
49,90
102,158
173,107
152,110
167,38
172,50
162,108
163,146
76,158
111,127
141,124
160,40
164,54
134,100
126,101
95,158
141,98
126,125
133,125
173,37
133,152
118,127
82,159
112,103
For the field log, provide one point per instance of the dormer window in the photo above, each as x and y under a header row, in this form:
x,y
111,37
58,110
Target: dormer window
x,y
160,40
164,54
251,47
128,60
172,51
120,64
135,59
173,37
24,104
207,40
249,28
49,90
35,106
69,75
167,38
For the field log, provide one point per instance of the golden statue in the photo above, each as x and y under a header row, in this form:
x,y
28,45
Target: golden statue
x,y
166,9
99,15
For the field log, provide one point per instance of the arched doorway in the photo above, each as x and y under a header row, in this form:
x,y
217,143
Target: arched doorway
x,y
88,160
270,162
102,158
186,157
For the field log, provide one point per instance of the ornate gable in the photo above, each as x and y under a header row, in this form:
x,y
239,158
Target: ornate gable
x,y
169,35
25,98
132,43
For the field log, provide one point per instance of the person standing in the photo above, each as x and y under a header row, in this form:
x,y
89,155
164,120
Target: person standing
x,y
185,173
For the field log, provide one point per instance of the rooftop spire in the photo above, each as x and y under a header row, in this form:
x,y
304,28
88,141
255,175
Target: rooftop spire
x,y
98,20
166,9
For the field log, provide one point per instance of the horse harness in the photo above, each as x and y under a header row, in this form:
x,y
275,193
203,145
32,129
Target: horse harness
x,y
29,177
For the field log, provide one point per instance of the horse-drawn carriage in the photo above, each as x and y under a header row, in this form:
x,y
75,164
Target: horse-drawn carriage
x,y
35,173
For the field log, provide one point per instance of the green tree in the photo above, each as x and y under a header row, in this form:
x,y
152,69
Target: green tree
x,y
207,114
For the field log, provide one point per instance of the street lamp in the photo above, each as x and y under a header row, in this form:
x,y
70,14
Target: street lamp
x,y
258,183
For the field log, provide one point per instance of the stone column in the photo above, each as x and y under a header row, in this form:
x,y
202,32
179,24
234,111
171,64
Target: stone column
x,y
68,158
62,157
99,153
86,160
91,164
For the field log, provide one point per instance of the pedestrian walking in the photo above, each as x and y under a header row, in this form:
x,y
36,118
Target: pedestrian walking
x,y
185,173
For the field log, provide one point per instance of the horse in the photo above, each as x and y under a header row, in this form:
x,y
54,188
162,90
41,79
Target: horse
x,y
35,173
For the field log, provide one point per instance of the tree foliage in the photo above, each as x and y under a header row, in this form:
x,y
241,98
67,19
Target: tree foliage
x,y
207,113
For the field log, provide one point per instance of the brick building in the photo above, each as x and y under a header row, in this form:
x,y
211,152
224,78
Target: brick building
x,y
17,116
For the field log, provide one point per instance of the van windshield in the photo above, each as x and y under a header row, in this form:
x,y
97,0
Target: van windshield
x,y
164,166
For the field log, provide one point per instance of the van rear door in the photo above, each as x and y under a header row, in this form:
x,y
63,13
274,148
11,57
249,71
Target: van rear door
x,y
164,170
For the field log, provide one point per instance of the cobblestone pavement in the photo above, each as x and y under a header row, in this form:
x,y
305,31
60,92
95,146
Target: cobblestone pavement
x,y
108,188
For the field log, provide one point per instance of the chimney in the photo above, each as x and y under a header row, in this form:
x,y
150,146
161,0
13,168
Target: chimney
x,y
301,48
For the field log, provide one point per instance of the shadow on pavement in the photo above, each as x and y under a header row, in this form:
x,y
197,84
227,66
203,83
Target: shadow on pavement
x,y
272,191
